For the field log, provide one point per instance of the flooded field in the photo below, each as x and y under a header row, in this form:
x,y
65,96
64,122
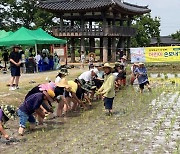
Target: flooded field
x,y
147,123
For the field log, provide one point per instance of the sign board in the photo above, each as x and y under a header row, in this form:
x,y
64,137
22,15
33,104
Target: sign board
x,y
162,54
137,55
155,54
59,51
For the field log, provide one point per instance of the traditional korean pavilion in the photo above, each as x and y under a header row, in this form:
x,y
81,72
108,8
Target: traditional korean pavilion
x,y
108,20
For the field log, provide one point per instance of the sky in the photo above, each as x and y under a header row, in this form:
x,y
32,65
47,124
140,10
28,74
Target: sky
x,y
167,10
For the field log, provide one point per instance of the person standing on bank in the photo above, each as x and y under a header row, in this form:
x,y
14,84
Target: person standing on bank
x,y
5,56
15,63
107,90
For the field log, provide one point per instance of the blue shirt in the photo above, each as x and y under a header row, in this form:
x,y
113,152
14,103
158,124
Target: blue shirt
x,y
141,73
32,103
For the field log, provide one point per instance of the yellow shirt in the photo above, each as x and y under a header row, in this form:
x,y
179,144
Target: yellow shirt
x,y
73,85
108,87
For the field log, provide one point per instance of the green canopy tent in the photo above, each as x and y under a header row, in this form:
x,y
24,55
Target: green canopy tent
x,y
24,36
3,33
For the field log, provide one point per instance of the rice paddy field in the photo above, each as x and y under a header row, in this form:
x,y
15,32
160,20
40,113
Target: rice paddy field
x,y
141,123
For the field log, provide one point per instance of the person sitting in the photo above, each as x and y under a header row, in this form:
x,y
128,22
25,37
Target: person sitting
x,y
121,77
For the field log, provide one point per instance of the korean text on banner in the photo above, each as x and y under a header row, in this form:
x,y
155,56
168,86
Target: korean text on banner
x,y
162,54
137,55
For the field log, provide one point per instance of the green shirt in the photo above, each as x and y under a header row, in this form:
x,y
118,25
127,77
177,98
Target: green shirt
x,y
108,87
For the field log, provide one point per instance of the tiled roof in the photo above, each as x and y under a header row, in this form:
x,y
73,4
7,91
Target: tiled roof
x,y
75,5
164,40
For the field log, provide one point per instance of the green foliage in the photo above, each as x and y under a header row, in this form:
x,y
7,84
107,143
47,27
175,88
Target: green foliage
x,y
16,14
176,35
147,27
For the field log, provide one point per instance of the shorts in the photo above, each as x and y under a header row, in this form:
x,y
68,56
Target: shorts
x,y
23,118
141,86
82,61
98,83
108,103
15,71
67,94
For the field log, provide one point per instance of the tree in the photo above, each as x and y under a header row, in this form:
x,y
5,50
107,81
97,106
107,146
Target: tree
x,y
16,14
147,27
176,35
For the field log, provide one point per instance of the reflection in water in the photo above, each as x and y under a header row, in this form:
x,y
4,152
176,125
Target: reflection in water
x,y
162,75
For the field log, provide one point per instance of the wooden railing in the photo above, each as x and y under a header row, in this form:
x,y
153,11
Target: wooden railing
x,y
94,31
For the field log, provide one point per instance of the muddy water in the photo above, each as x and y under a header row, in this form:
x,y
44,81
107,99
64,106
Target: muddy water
x,y
148,123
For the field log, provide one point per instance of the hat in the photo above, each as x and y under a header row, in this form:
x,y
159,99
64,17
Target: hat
x,y
136,64
98,65
49,94
124,57
9,111
92,54
63,71
17,46
141,63
107,65
63,83
117,63
73,85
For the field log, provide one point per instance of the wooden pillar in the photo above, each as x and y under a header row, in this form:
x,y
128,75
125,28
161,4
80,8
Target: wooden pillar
x,y
82,33
91,40
105,49
92,44
113,43
128,47
72,49
113,49
109,44
82,44
101,49
61,23
109,49
105,39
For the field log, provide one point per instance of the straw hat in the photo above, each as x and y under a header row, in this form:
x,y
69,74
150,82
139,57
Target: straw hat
x,y
124,57
49,94
141,63
107,65
92,54
73,85
63,83
63,71
136,64
9,111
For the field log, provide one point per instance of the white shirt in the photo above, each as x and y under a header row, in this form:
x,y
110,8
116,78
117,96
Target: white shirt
x,y
37,58
86,76
58,79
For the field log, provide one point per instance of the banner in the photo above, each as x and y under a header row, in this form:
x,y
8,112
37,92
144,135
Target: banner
x,y
137,55
162,54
